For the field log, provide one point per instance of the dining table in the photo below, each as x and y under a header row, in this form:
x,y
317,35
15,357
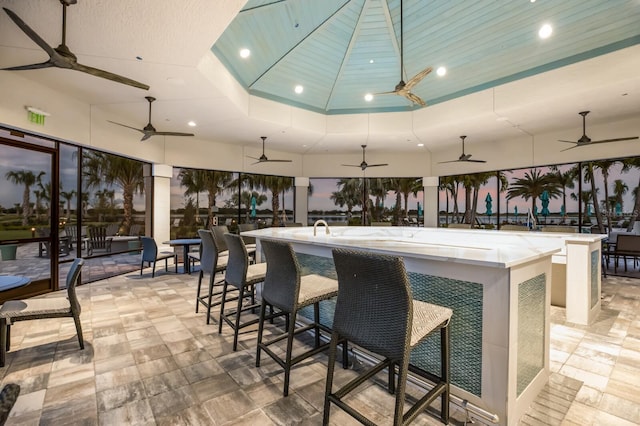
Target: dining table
x,y
9,282
185,243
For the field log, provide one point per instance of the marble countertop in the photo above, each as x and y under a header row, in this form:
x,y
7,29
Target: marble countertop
x,y
476,247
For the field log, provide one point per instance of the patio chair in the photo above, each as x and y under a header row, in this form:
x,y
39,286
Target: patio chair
x,y
210,263
627,246
98,240
112,229
151,256
40,308
376,311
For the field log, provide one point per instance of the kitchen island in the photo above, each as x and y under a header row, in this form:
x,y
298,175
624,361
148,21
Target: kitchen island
x,y
497,286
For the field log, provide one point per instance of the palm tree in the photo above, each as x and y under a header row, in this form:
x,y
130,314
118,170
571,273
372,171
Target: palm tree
x,y
215,184
604,166
28,179
276,185
195,181
245,199
100,168
590,178
68,196
379,188
565,180
407,186
620,188
532,185
585,199
628,164
451,184
349,193
476,181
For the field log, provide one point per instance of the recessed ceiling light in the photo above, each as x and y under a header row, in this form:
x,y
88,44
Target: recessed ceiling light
x,y
370,61
245,53
368,97
420,144
441,71
192,123
299,89
545,31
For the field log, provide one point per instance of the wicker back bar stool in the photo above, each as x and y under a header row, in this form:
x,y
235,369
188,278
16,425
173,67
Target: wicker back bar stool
x,y
210,263
286,292
243,277
375,310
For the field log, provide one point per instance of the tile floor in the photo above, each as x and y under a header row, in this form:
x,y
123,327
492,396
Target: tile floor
x,y
149,359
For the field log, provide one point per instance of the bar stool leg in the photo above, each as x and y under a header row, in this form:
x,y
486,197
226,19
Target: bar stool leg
x,y
330,368
445,364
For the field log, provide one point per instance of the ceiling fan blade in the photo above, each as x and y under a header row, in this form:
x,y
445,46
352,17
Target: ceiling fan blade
x,y
560,140
351,165
377,165
630,138
128,127
109,76
571,147
277,161
393,92
30,33
41,65
417,78
474,161
173,134
413,98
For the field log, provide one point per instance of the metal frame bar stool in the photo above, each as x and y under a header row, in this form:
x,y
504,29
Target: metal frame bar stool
x,y
287,291
210,263
242,277
375,310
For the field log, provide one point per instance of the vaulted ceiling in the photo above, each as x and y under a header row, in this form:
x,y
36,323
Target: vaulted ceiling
x,y
501,79
340,50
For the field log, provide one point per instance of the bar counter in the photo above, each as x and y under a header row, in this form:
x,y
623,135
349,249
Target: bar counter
x,y
498,285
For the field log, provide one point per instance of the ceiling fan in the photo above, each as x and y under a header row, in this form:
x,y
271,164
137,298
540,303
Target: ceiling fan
x,y
61,56
263,158
148,130
586,140
364,164
463,157
402,88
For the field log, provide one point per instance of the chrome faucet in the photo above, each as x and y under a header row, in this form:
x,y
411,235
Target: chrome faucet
x,y
321,222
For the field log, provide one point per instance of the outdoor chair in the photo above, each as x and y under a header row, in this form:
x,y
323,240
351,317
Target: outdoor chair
x,y
375,311
626,246
71,231
287,291
210,263
98,240
135,229
112,229
151,256
248,241
40,308
241,277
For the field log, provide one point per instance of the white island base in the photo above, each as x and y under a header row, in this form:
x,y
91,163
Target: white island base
x,y
500,297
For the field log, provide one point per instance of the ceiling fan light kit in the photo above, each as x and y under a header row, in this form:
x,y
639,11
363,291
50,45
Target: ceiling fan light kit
x,y
61,56
586,140
148,130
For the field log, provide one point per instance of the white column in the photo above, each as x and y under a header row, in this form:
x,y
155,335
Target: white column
x,y
161,175
302,199
430,201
